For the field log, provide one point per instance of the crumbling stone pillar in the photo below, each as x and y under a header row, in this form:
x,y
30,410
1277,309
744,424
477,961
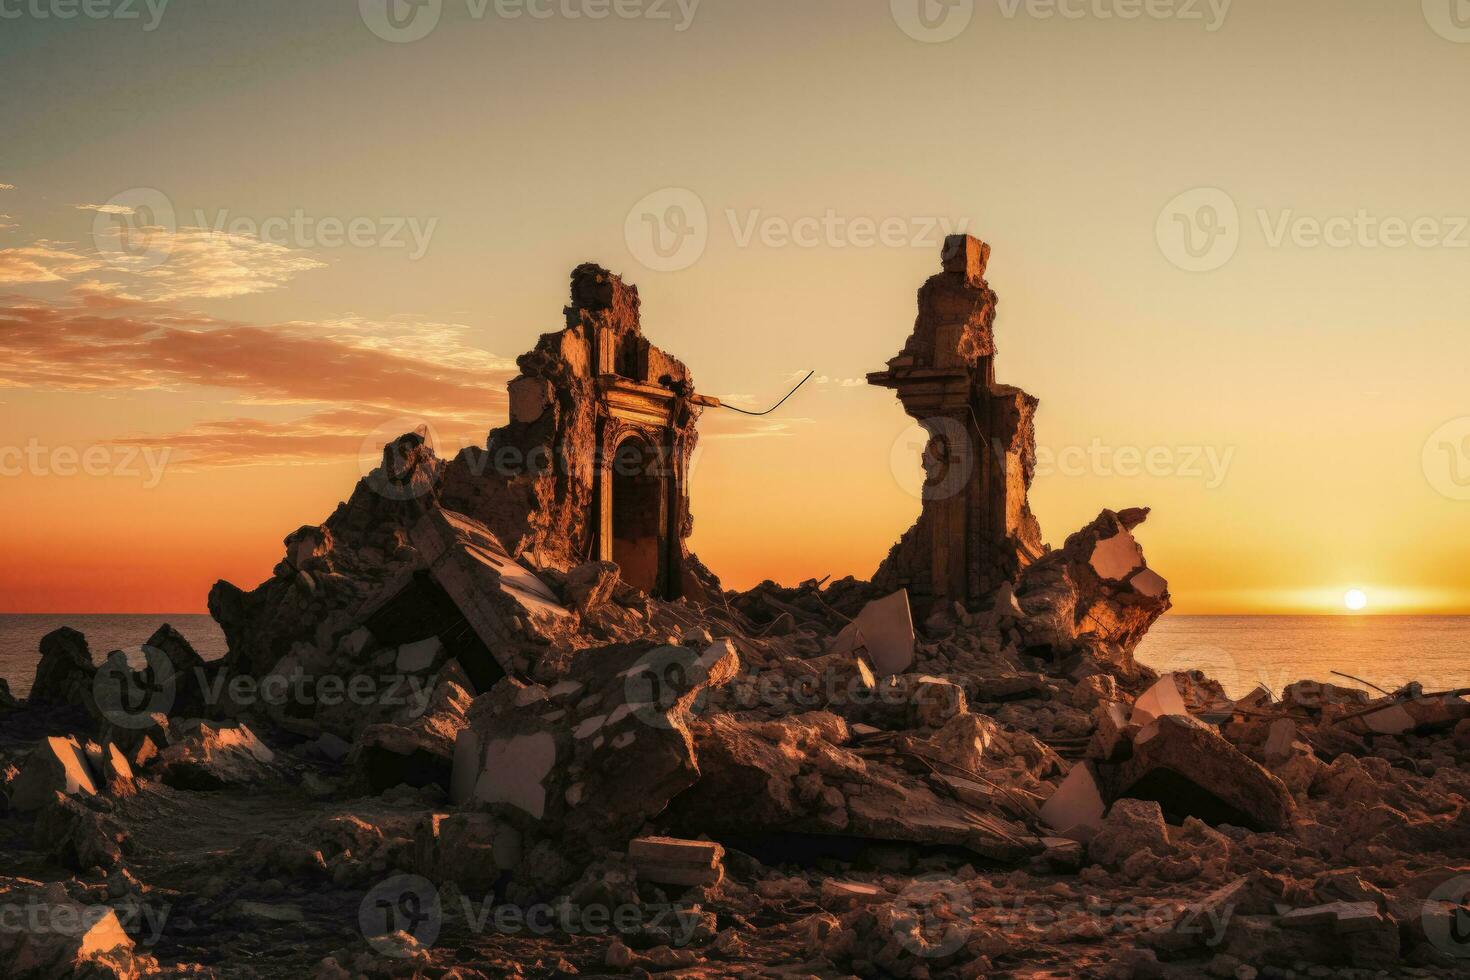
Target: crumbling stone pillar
x,y
976,529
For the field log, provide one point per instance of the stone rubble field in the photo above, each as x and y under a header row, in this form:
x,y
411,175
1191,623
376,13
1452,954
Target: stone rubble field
x,y
494,719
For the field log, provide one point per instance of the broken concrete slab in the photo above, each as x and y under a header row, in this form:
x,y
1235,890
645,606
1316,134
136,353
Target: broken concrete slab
x,y
514,771
417,750
215,757
1279,740
417,657
1160,700
795,776
1191,770
671,861
1110,738
836,896
1076,809
49,934
57,765
884,632
1116,558
1131,827
603,754
503,601
1342,917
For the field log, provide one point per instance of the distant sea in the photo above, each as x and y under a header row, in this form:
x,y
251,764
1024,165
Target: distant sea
x,y
1243,651
20,639
1238,651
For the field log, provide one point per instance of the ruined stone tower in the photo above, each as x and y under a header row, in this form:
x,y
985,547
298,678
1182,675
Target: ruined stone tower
x,y
976,529
594,462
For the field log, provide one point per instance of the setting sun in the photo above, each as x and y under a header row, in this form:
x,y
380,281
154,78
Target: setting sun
x,y
1355,600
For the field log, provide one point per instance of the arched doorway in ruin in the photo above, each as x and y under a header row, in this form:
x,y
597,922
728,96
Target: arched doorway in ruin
x,y
640,514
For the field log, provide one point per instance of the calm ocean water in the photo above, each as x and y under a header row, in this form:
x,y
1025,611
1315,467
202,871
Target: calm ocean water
x,y
20,639
1243,651
1239,651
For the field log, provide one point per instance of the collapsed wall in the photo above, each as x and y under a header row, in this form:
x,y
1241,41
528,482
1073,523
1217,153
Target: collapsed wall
x,y
592,465
976,536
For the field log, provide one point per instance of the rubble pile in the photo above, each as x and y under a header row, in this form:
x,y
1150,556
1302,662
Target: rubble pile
x,y
493,718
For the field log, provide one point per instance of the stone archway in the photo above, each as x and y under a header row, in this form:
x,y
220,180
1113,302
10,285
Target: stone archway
x,y
640,508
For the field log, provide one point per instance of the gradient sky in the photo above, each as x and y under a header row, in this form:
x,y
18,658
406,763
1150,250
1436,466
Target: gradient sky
x,y
1305,403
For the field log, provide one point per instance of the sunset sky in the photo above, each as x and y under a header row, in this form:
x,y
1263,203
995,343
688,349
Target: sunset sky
x,y
353,234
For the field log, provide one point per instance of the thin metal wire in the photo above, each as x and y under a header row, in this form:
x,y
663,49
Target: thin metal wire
x,y
775,406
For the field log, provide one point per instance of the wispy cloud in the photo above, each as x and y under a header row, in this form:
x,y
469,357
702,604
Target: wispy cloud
x,y
106,208
155,262
167,265
7,187
349,376
44,261
322,437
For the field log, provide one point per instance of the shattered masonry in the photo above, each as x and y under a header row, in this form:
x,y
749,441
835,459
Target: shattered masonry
x,y
881,779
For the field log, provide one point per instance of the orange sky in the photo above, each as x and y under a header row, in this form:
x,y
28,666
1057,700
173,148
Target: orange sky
x,y
351,235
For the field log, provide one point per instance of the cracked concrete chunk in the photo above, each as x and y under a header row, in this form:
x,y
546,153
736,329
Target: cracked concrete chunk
x,y
1191,770
515,771
1117,557
1150,583
420,656
1076,809
1160,700
57,765
884,630
671,861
